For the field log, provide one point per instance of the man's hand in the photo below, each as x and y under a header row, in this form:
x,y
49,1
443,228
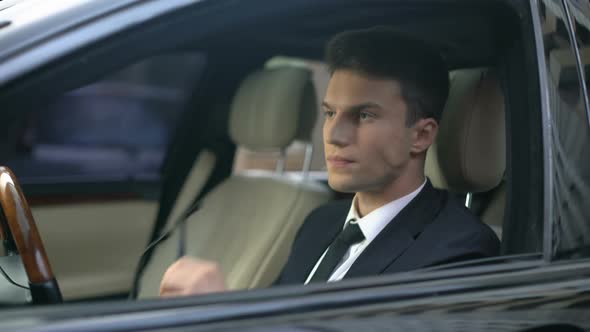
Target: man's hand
x,y
192,276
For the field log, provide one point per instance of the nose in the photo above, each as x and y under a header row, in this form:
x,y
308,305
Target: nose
x,y
338,131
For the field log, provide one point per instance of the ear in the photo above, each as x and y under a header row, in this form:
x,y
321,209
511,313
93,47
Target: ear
x,y
424,135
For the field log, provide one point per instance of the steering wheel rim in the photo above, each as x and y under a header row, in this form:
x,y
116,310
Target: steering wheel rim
x,y
21,228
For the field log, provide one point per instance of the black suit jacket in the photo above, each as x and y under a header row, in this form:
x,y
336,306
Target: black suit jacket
x,y
432,229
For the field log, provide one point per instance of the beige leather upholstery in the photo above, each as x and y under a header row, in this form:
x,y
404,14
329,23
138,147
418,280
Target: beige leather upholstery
x,y
248,223
265,111
493,215
92,247
193,184
470,154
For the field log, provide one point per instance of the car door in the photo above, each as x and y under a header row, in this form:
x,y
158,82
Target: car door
x,y
89,163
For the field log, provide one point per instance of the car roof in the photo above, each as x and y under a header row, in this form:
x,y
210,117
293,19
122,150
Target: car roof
x,y
28,20
4,4
33,25
19,11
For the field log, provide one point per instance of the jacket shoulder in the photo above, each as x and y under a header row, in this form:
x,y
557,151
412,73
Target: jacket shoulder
x,y
468,233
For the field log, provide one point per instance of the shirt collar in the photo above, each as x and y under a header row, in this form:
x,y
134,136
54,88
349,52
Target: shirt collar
x,y
374,222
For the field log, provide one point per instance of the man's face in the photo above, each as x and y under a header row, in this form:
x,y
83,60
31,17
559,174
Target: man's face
x,y
366,142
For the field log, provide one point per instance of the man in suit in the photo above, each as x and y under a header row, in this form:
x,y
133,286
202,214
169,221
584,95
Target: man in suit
x,y
382,107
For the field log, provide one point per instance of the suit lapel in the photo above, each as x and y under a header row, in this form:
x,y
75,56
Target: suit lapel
x,y
399,234
325,232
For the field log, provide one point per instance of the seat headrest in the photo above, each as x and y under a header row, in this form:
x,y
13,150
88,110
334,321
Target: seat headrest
x,y
470,151
273,107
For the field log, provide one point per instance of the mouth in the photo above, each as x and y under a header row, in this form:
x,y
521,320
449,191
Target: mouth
x,y
336,161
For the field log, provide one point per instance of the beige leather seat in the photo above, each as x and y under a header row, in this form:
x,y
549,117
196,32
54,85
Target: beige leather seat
x,y
469,155
248,223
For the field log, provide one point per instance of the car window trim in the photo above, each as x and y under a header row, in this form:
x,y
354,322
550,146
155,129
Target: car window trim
x,y
547,130
342,298
30,58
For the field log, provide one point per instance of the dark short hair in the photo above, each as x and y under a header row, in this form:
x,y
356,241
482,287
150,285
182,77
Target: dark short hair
x,y
382,52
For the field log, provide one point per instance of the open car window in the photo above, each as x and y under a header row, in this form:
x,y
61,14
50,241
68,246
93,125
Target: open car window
x,y
147,98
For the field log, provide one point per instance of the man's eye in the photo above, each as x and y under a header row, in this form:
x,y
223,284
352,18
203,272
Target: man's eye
x,y
328,114
365,115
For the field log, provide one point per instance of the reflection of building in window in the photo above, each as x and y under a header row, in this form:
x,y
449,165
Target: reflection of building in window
x,y
296,152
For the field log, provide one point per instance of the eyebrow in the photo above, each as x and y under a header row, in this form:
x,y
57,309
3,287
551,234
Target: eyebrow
x,y
354,108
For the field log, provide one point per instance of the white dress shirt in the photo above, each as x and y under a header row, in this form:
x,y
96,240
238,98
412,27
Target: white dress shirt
x,y
370,225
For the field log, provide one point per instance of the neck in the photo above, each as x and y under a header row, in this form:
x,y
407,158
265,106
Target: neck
x,y
368,201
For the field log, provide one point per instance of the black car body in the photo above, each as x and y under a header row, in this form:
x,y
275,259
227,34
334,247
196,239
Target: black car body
x,y
197,52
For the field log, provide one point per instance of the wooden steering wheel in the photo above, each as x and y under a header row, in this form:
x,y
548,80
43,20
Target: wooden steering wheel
x,y
20,235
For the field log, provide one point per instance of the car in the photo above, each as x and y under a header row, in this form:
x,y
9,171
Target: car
x,y
119,124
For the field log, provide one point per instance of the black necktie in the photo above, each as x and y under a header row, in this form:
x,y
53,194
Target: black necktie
x,y
350,235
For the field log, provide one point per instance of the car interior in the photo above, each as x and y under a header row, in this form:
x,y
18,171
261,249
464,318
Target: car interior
x,y
474,117
198,188
261,211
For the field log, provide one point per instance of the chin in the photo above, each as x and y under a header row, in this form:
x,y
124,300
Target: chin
x,y
342,185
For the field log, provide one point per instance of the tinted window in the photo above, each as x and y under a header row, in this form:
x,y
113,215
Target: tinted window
x,y
116,128
574,162
569,134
